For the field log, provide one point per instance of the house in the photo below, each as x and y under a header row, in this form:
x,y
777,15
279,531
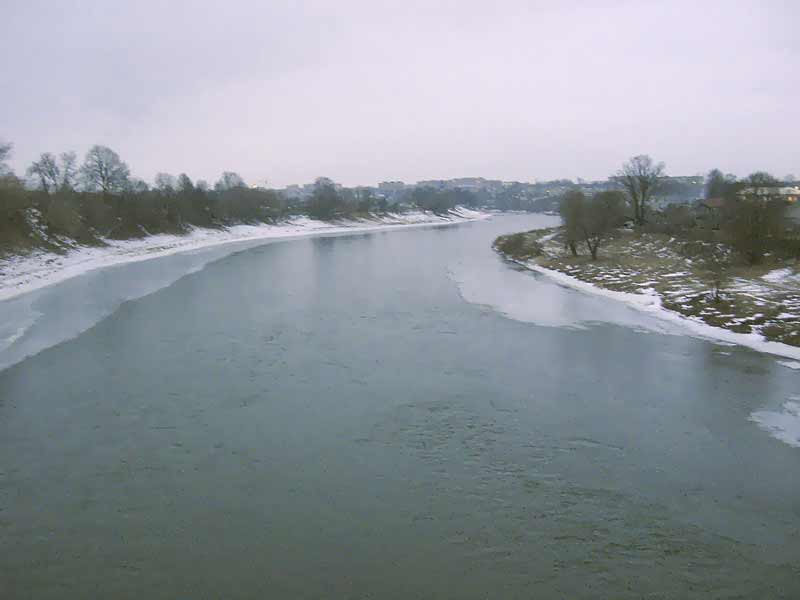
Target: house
x,y
713,203
710,211
791,194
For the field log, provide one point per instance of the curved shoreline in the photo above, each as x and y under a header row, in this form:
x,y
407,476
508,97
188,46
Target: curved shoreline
x,y
651,304
27,273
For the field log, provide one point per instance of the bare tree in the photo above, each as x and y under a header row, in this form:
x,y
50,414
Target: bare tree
x,y
639,177
137,186
184,184
45,172
324,200
104,170
52,174
715,184
228,181
13,199
572,210
5,154
69,170
602,215
756,218
165,182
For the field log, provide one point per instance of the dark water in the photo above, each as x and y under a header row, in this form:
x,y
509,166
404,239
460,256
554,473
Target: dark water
x,y
330,418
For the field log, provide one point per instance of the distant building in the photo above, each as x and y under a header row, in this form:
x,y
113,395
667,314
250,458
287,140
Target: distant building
x,y
468,183
438,184
391,186
792,194
298,192
292,192
788,193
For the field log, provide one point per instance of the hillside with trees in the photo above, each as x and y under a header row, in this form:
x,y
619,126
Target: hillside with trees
x,y
61,202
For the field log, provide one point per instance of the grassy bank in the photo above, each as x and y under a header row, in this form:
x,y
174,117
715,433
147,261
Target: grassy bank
x,y
763,299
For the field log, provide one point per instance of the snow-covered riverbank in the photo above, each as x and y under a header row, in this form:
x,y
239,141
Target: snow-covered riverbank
x,y
651,303
22,274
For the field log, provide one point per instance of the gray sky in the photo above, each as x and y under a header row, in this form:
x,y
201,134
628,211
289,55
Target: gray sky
x,y
369,91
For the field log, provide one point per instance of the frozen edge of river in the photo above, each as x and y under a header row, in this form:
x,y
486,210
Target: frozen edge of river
x,y
22,274
651,304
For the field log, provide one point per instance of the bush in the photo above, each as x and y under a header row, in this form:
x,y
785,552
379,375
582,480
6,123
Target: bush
x,y
518,246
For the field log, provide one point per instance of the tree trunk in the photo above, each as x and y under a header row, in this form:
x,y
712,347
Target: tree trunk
x,y
572,248
639,212
592,248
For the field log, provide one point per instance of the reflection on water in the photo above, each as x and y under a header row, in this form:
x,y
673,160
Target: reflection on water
x,y
53,314
329,418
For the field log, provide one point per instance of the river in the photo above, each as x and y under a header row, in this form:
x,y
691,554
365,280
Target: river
x,y
396,414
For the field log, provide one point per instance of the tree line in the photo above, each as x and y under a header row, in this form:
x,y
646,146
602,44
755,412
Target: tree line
x,y
749,215
64,199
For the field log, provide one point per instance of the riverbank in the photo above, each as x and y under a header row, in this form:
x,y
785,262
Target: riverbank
x,y
351,373
24,273
758,307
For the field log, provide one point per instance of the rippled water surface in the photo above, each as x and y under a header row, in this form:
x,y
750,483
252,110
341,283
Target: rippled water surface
x,y
386,415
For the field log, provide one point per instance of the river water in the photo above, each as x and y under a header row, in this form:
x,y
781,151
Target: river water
x,y
394,414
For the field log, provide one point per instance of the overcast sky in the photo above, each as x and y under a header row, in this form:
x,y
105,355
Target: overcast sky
x,y
368,91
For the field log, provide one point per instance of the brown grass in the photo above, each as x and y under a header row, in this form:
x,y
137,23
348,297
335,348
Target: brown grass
x,y
635,262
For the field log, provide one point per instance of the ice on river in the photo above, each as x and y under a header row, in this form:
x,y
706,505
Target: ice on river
x,y
783,424
536,298
32,308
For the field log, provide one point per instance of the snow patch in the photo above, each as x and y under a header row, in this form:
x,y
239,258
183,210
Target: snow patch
x,y
548,237
648,301
22,274
784,424
780,275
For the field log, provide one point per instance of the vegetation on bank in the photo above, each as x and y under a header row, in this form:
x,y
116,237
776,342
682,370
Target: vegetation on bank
x,y
731,260
61,203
